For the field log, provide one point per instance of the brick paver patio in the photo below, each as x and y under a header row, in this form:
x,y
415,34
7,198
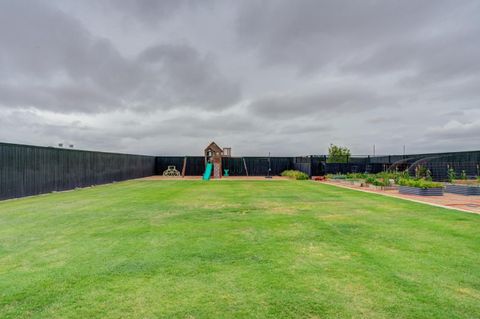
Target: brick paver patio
x,y
469,204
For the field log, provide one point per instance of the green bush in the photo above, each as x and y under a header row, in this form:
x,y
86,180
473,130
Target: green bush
x,y
370,180
404,175
378,181
387,175
451,175
396,176
423,172
295,174
357,176
420,183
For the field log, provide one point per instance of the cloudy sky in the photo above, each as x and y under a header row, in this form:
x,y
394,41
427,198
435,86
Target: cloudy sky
x,y
280,76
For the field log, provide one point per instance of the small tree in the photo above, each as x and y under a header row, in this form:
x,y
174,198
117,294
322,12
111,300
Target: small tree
x,y
338,154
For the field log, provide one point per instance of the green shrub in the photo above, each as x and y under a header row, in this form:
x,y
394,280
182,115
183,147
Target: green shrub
x,y
420,183
404,175
396,176
382,182
423,172
389,175
357,176
463,175
295,174
370,180
451,175
378,181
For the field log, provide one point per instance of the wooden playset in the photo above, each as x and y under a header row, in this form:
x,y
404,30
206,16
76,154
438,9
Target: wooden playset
x,y
214,155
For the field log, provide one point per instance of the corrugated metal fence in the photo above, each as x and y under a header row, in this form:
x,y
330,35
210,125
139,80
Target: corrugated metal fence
x,y
29,170
195,164
255,166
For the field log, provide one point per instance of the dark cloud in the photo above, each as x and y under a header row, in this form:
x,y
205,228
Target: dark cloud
x,y
186,78
381,119
54,64
287,77
305,128
150,12
310,34
49,45
61,99
431,58
326,103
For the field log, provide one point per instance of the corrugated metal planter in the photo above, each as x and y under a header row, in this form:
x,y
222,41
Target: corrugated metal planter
x,y
359,183
467,190
408,190
382,188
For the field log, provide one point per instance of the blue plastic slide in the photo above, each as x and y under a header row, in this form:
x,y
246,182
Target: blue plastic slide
x,y
208,172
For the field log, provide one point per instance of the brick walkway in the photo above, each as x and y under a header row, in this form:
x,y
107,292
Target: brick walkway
x,y
469,204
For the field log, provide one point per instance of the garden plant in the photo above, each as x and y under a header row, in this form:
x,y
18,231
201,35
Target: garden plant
x,y
298,175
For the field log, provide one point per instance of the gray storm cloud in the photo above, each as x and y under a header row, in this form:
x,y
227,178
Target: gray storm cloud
x,y
288,77
64,68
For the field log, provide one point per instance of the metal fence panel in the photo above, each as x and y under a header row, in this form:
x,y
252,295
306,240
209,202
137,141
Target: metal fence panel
x,y
30,170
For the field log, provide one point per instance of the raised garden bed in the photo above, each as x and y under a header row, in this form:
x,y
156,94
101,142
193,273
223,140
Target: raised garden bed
x,y
467,190
355,182
409,190
359,183
337,177
382,188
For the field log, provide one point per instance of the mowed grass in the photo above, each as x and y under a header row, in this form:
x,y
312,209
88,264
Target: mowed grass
x,y
235,249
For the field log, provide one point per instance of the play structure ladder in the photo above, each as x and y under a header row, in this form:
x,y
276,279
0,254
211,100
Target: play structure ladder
x,y
184,166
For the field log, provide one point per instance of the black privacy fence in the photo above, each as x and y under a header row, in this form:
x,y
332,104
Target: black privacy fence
x,y
31,170
236,166
439,170
345,168
194,166
463,164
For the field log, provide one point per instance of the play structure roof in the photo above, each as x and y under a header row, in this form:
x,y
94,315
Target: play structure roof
x,y
214,147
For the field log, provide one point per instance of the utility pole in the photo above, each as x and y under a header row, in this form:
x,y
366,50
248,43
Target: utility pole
x,y
373,149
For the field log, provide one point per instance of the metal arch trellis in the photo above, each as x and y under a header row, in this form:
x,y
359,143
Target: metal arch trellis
x,y
421,161
396,164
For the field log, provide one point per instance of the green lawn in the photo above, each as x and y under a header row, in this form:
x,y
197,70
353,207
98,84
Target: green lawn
x,y
235,249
